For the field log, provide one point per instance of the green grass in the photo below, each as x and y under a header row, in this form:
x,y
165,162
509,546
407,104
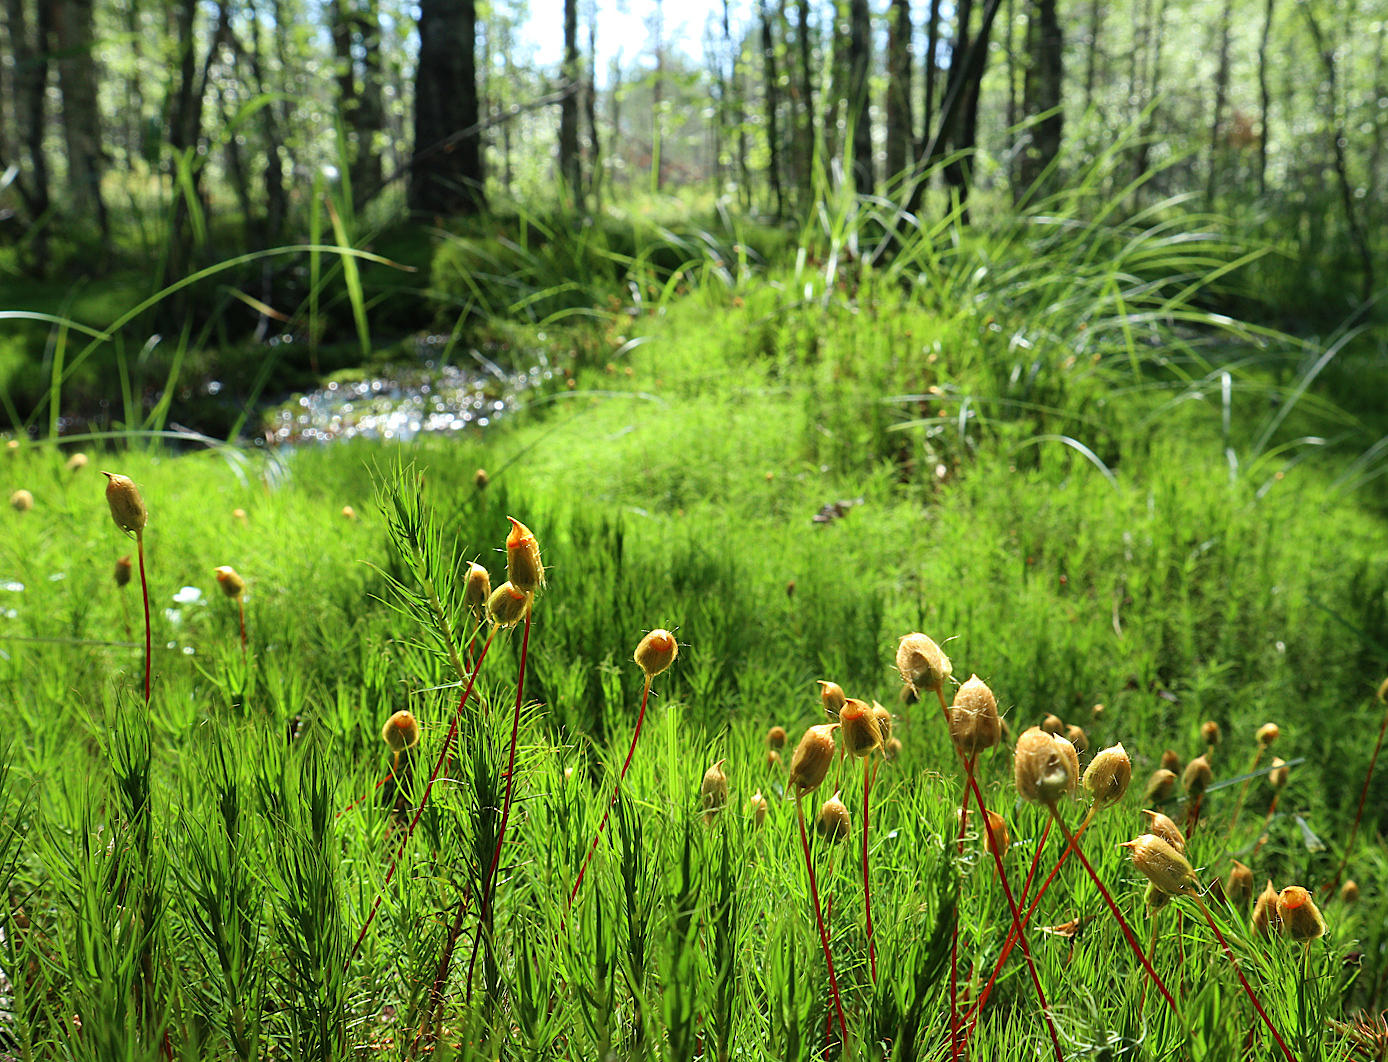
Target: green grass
x,y
1055,462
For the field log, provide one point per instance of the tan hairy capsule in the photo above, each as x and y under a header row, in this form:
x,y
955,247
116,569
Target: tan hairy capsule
x,y
1277,777
759,808
477,588
1301,919
1053,724
859,728
480,479
21,501
239,515
776,737
714,790
812,757
1108,775
773,758
348,513
77,462
124,567
923,665
884,721
1265,919
1197,776
1165,828
1238,885
508,605
230,581
127,507
892,748
1349,891
1267,734
1161,864
1077,737
832,696
1042,766
974,724
1210,732
523,567
1170,761
656,652
833,823
401,732
1097,712
1160,786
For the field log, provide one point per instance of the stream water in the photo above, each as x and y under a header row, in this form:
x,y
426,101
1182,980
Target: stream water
x,y
400,402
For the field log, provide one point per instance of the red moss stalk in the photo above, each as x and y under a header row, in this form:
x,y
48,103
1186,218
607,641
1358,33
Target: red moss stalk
x,y
423,800
819,919
1113,908
1248,990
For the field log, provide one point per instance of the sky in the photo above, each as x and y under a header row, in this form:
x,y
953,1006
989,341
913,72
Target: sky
x,y
623,29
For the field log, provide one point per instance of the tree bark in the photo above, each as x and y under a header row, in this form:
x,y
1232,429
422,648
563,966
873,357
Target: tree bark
x,y
900,136
804,116
31,118
1041,96
1338,139
1221,97
590,110
1264,99
77,79
772,93
570,165
446,179
1091,66
859,95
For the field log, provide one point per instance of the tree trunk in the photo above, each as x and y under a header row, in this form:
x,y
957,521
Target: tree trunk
x,y
590,110
446,166
1091,66
804,116
900,136
1264,99
1041,96
77,77
31,119
1147,92
772,93
859,96
570,165
658,100
1221,97
1338,139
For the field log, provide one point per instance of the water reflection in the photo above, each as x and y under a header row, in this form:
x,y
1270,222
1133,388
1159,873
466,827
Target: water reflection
x,y
402,401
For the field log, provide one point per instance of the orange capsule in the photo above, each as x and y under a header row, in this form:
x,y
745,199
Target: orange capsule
x,y
231,583
401,731
523,567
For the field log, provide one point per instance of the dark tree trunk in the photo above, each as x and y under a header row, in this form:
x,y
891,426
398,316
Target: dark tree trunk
x,y
590,111
804,116
1265,98
958,121
900,137
772,92
570,165
77,78
859,96
930,74
31,114
1091,66
1221,97
1042,96
446,167
1155,30
1335,127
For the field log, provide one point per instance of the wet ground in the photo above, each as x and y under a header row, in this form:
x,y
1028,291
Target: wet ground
x,y
399,402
